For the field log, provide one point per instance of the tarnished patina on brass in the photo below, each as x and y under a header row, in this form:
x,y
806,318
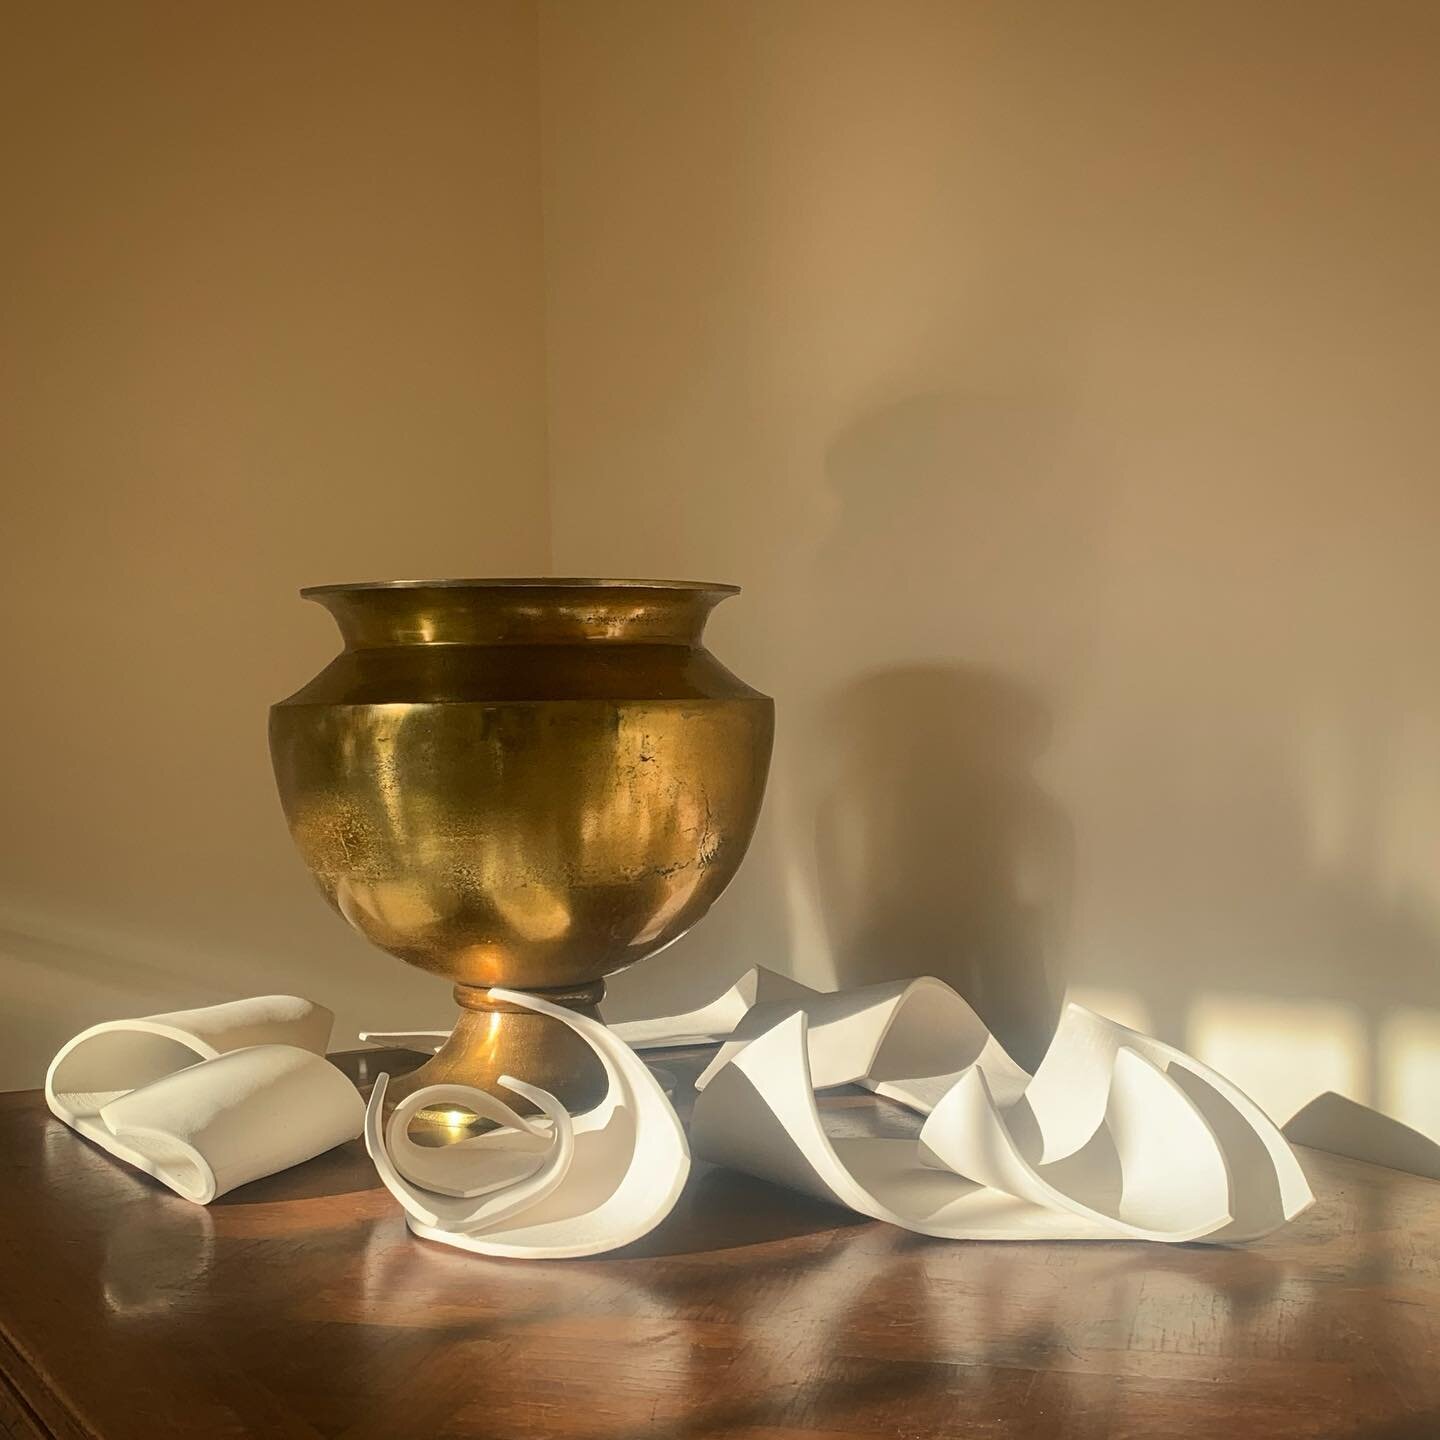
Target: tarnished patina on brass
x,y
522,783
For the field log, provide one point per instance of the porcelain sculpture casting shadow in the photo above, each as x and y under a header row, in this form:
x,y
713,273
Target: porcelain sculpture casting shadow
x,y
1115,1136
205,1100
544,1190
527,784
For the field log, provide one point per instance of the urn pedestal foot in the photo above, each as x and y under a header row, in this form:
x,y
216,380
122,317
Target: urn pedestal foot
x,y
494,1038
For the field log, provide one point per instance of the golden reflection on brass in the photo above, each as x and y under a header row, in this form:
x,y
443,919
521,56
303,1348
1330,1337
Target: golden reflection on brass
x,y
522,783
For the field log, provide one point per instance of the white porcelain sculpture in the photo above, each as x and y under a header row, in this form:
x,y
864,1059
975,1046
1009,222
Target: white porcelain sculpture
x,y
547,1189
205,1100
1106,1142
1115,1136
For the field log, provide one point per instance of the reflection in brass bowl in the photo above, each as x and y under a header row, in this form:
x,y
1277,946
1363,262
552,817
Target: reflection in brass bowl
x,y
521,783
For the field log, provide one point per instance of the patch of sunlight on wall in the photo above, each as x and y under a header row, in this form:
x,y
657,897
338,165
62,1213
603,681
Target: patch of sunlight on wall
x,y
1410,1069
1282,1053
1383,823
1407,840
1122,1006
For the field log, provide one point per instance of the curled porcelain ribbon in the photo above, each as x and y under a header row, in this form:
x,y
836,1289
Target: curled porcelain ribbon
x,y
908,1040
1116,1136
550,1188
205,1100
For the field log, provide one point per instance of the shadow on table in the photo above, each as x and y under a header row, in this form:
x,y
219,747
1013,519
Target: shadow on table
x,y
725,1210
345,1170
1424,1426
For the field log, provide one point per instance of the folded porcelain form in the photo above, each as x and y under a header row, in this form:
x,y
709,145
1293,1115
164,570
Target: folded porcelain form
x,y
205,1100
1116,1136
552,1188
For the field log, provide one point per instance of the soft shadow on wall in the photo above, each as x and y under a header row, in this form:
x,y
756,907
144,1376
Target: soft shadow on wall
x,y
959,532
938,851
997,344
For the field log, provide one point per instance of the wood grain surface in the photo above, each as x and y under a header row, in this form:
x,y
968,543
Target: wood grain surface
x,y
299,1306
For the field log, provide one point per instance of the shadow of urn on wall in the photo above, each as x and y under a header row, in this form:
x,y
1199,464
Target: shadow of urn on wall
x,y
528,784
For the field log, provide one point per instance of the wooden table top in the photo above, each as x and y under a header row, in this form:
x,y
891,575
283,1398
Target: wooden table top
x,y
299,1306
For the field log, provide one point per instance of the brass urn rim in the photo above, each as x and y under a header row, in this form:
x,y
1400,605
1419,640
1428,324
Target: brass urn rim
x,y
535,582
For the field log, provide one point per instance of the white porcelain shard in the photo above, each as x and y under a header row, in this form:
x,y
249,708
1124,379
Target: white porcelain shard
x,y
552,1188
205,1100
427,1042
1345,1127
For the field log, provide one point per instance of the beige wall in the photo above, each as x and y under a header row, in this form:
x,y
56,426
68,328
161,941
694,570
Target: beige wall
x,y
1056,378
272,317
1059,381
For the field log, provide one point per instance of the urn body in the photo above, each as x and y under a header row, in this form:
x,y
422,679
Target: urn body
x,y
528,783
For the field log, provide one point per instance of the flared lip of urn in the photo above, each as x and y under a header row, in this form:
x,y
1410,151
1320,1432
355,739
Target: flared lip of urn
x,y
526,582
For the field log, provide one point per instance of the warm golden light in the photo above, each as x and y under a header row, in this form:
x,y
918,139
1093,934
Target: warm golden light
x,y
1122,1006
1409,1052
454,1120
1281,1053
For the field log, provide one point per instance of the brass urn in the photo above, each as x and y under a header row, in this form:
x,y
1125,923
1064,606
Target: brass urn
x,y
521,783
